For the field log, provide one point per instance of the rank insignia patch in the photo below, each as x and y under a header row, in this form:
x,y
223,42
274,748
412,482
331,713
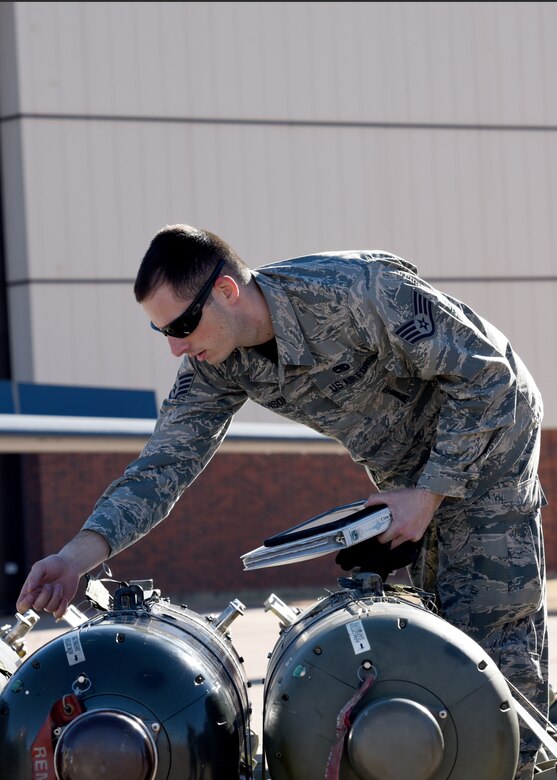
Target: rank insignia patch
x,y
421,326
181,386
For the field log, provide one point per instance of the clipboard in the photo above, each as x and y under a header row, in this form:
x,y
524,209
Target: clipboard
x,y
331,531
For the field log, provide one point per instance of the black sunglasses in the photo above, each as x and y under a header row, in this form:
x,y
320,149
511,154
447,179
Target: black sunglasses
x,y
188,321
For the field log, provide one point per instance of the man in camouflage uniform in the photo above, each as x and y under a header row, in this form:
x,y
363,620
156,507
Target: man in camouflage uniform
x,y
424,393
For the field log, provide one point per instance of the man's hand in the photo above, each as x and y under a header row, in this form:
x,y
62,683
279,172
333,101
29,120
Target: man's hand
x,y
51,585
52,582
412,510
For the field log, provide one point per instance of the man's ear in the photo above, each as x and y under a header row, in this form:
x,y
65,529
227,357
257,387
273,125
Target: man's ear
x,y
228,287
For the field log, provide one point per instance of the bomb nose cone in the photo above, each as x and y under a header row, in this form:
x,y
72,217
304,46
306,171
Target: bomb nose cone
x,y
108,745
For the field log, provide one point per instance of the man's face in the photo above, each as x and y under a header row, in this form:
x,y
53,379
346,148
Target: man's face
x,y
214,337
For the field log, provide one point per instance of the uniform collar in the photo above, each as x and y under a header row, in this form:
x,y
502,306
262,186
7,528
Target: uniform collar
x,y
292,346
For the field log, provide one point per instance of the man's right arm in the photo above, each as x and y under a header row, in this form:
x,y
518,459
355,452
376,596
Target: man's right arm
x,y
52,582
192,423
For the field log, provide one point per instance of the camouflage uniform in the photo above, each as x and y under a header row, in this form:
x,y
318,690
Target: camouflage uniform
x,y
421,391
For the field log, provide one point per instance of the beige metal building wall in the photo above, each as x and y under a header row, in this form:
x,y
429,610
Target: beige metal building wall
x,y
427,129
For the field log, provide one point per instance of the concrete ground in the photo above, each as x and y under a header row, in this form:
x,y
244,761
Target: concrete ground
x,y
254,635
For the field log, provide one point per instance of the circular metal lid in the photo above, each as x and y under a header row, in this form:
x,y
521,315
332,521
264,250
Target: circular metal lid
x,y
107,744
394,738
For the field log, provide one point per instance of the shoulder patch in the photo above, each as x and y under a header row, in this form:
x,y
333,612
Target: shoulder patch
x,y
181,385
422,325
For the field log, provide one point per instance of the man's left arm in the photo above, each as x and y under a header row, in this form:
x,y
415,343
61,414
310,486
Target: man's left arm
x,y
426,335
421,333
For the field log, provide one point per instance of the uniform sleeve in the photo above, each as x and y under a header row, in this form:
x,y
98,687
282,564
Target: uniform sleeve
x,y
421,333
191,425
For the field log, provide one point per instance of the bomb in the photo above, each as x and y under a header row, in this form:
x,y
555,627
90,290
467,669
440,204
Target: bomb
x,y
143,691
372,685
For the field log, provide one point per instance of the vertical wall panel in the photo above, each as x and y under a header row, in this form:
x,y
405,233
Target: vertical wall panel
x,y
9,86
427,129
402,62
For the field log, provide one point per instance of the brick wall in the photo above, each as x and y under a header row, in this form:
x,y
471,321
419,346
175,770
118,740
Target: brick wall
x,y
238,501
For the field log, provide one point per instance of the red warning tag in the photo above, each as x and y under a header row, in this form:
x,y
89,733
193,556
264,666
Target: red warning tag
x,y
42,749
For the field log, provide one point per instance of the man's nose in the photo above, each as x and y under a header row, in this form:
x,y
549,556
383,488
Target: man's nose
x,y
178,347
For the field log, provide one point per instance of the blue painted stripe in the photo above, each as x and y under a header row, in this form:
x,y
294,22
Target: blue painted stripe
x,y
73,401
